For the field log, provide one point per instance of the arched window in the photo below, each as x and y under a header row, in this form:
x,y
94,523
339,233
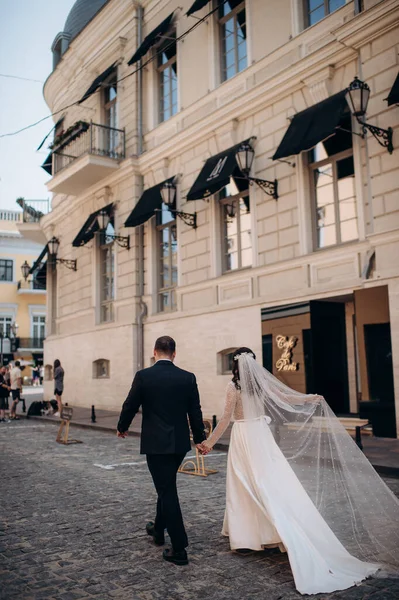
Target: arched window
x,y
101,368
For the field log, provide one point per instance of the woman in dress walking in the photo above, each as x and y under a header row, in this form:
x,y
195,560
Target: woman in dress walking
x,y
296,480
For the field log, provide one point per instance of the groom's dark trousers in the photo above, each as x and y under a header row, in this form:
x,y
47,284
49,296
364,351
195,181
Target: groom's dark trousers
x,y
167,395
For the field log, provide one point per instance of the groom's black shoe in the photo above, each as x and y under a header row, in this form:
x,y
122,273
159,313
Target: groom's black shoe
x,y
177,558
159,538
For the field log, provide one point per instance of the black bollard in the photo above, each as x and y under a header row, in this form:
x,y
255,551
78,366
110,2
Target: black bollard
x,y
23,405
214,422
93,414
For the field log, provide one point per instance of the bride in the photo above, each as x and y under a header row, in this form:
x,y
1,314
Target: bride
x,y
296,480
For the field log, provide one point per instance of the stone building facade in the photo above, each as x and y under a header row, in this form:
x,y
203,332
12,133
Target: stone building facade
x,y
311,277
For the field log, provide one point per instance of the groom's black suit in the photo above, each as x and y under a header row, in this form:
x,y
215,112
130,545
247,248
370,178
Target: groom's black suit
x,y
167,395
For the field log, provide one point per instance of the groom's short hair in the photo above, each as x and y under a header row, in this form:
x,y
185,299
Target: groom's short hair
x,y
165,345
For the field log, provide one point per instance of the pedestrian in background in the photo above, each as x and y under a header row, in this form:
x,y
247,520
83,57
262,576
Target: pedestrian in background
x,y
58,376
35,376
4,392
16,388
41,374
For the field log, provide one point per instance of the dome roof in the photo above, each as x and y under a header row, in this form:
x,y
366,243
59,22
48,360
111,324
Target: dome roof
x,y
80,14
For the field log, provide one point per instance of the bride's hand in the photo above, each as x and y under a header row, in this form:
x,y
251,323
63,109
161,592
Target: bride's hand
x,y
204,449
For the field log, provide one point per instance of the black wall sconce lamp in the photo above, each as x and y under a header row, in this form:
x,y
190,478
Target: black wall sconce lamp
x,y
357,97
245,157
168,194
25,268
103,220
53,246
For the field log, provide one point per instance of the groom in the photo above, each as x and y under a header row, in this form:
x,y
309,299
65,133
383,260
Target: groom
x,y
167,395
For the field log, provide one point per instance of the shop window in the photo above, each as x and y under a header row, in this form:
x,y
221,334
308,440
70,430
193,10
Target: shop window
x,y
318,9
332,178
167,77
166,236
6,270
236,227
101,368
233,37
48,373
225,361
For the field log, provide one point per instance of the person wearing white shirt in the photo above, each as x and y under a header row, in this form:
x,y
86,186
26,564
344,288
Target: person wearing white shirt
x,y
16,387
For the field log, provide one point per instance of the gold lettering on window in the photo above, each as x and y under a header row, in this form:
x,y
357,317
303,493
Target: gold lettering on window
x,y
286,344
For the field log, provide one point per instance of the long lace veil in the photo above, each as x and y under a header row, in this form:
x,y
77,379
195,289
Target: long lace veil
x,y
351,497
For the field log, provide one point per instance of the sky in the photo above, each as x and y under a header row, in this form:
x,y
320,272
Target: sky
x,y
27,30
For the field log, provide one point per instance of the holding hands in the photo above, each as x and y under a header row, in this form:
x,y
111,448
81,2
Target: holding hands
x,y
203,448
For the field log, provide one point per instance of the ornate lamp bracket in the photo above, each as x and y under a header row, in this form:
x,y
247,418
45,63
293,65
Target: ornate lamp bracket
x,y
268,187
122,241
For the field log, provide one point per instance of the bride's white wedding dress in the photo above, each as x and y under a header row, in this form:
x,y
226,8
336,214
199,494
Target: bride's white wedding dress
x,y
266,505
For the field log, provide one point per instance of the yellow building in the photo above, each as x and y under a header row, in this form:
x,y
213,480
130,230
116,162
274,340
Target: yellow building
x,y
22,303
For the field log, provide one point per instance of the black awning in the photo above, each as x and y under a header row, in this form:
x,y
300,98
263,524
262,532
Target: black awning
x,y
312,126
151,39
54,127
149,202
90,227
38,262
198,4
216,173
393,97
97,83
48,164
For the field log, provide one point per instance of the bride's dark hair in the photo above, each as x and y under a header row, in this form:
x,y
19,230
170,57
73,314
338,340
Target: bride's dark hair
x,y
234,370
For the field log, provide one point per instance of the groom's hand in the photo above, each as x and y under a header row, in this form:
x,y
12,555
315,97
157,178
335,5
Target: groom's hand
x,y
122,435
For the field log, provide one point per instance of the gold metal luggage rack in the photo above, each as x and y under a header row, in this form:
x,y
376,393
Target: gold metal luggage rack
x,y
197,466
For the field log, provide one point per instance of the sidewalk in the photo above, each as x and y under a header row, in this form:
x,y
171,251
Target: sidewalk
x,y
383,453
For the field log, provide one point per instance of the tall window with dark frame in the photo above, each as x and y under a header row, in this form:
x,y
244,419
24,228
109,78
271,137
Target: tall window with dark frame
x,y
110,134
233,37
316,10
6,270
332,176
167,259
236,227
167,77
5,326
38,328
107,276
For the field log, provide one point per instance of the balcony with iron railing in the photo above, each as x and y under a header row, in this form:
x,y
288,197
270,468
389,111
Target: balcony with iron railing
x,y
84,155
33,210
29,222
35,286
35,343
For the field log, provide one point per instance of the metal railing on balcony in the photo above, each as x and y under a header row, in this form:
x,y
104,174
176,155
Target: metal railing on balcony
x,y
100,140
29,343
33,210
35,284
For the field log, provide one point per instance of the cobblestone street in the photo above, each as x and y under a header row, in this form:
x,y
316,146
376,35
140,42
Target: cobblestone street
x,y
73,518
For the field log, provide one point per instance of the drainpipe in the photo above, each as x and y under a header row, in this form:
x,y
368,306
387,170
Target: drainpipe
x,y
140,229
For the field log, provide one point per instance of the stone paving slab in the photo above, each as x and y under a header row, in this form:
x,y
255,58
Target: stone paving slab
x,y
383,453
72,527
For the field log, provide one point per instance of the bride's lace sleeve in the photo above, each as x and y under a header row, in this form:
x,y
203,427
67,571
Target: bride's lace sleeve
x,y
230,402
